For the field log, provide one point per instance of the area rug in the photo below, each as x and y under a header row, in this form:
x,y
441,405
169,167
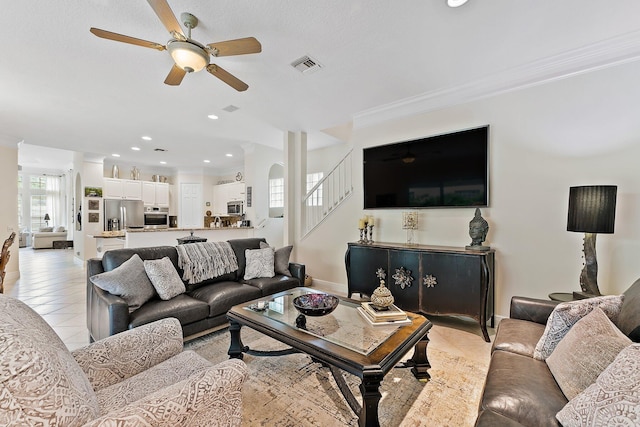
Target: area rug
x,y
292,390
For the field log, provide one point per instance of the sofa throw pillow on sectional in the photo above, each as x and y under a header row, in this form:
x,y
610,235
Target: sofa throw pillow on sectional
x,y
614,399
280,258
259,263
129,281
164,277
566,314
575,364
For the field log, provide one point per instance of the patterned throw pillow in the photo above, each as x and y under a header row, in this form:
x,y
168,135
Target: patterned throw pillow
x,y
574,363
566,314
280,258
613,400
164,277
259,263
129,281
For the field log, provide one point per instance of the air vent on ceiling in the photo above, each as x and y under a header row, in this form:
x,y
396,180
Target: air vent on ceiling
x,y
230,108
159,149
306,64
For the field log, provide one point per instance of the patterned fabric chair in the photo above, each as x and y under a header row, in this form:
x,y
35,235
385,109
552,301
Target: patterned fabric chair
x,y
139,377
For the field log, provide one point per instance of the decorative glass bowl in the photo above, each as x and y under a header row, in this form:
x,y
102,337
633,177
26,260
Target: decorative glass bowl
x,y
315,304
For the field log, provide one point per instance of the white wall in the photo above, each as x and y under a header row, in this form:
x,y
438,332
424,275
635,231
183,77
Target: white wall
x,y
581,130
9,195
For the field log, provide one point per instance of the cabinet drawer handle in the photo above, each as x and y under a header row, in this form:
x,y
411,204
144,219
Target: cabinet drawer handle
x,y
403,278
430,281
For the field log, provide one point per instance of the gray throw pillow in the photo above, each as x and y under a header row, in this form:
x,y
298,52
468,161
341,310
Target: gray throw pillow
x,y
164,277
566,314
259,263
587,349
614,399
128,281
280,258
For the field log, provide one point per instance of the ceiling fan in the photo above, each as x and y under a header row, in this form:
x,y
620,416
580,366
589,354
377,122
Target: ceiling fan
x,y
189,55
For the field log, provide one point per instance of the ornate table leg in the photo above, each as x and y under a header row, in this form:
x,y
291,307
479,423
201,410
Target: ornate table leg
x,y
419,363
236,348
369,387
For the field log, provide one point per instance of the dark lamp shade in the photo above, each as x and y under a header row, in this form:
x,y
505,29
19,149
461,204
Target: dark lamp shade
x,y
592,209
46,217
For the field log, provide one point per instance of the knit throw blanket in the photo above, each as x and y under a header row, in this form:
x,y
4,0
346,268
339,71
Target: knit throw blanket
x,y
202,261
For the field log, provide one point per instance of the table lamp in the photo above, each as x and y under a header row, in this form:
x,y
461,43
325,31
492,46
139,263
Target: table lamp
x,y
592,210
47,219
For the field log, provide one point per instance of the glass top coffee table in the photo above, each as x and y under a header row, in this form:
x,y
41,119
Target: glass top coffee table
x,y
341,340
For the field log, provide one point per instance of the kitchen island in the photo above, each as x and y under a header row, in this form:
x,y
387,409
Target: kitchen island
x,y
142,238
169,236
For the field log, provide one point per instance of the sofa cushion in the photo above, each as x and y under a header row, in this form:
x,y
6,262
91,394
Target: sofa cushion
x,y
40,381
492,419
272,285
566,314
112,259
183,307
280,258
45,229
523,389
129,281
629,317
241,245
614,399
517,336
587,349
164,278
259,263
221,296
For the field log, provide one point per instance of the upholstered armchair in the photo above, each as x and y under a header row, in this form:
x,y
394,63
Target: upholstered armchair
x,y
138,377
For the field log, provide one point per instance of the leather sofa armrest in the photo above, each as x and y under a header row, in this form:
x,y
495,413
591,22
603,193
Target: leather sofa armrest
x,y
531,309
298,271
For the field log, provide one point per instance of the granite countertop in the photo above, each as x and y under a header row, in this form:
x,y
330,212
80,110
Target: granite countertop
x,y
159,230
109,235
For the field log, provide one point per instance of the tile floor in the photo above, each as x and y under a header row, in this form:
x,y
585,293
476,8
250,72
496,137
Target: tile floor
x,y
53,282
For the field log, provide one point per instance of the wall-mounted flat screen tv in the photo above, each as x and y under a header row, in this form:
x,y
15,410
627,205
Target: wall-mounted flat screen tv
x,y
448,170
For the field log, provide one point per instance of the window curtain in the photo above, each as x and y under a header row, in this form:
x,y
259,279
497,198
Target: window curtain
x,y
55,201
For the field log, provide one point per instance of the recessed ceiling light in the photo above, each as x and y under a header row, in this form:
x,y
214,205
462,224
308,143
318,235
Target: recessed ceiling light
x,y
146,138
115,155
456,3
213,117
207,161
135,148
163,163
229,155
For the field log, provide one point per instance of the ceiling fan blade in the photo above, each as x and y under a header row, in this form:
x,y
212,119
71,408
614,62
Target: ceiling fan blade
x,y
175,76
228,78
235,47
125,39
167,17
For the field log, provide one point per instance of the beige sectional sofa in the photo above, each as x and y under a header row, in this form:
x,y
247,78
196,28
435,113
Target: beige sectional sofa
x,y
44,238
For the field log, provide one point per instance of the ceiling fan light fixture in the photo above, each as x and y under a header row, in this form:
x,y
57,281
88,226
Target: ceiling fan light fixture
x,y
456,3
188,55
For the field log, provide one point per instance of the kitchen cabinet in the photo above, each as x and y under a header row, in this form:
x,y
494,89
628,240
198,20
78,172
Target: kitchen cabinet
x,y
224,193
437,280
122,189
155,193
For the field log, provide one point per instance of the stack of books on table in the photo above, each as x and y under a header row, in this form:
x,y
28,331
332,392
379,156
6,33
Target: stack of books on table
x,y
378,317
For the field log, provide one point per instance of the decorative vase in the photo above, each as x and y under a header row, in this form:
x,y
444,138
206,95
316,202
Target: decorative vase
x,y
135,173
115,172
381,297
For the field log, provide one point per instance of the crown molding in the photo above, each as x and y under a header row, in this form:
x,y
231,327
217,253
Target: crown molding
x,y
606,53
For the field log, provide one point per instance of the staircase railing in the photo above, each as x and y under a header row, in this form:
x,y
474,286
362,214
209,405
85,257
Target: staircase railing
x,y
327,194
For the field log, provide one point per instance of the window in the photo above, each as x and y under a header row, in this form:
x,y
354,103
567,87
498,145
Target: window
x,y
40,194
316,197
276,193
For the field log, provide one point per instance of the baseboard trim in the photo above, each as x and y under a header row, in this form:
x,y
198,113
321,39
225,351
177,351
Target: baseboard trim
x,y
331,287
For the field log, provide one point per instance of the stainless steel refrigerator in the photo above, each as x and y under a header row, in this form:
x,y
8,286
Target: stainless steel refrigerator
x,y
123,214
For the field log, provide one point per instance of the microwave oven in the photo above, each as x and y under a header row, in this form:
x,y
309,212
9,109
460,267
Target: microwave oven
x,y
234,208
155,217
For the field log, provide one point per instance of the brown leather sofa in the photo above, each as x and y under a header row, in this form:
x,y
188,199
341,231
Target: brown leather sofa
x,y
520,390
202,307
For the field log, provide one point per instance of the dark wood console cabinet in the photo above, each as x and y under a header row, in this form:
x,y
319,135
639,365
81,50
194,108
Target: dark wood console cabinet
x,y
438,280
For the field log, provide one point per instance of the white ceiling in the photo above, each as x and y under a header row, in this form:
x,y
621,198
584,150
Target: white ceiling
x,y
62,87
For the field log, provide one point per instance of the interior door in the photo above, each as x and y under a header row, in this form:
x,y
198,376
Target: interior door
x,y
191,206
